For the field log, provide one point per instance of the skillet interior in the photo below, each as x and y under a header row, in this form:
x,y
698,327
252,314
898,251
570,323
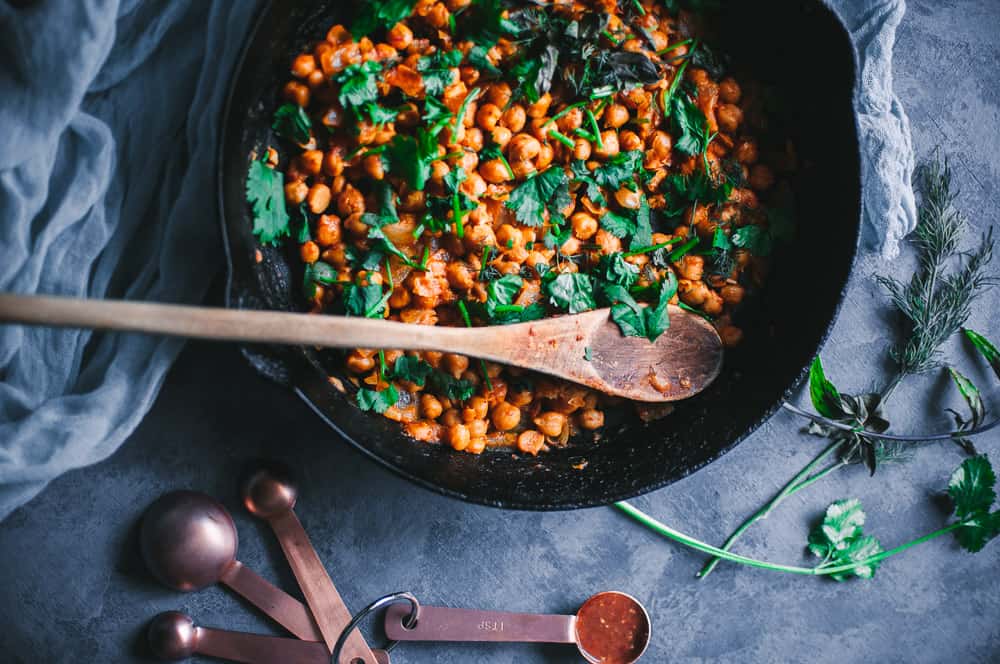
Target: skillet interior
x,y
796,47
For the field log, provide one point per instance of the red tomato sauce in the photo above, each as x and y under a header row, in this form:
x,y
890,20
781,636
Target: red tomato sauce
x,y
612,628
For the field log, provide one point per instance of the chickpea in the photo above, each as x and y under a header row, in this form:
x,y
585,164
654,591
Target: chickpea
x,y
713,304
479,236
488,116
303,65
450,417
540,128
545,156
400,36
422,430
611,148
476,445
661,144
474,139
514,118
729,116
412,201
506,416
297,93
458,437
494,171
523,147
355,226
530,441
732,293
550,423
608,243
509,236
373,167
358,363
499,94
729,91
540,108
591,419
328,230
333,163
628,199
691,267
400,298
316,79
692,293
520,398
430,407
296,191
455,364
338,34
501,136
472,378
459,276
731,336
475,409
477,428
570,121
761,177
584,225
350,202
629,141
615,116
746,151
438,17
581,149
474,186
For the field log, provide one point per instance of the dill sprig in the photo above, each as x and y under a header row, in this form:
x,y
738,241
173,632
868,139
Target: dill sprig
x,y
936,303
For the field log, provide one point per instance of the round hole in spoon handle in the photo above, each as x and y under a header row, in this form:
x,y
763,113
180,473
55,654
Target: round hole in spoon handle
x,y
269,493
610,627
189,542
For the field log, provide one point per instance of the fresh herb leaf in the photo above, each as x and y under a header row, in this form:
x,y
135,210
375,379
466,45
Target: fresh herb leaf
x,y
378,114
631,223
839,540
359,84
380,14
614,269
438,71
435,112
454,389
587,354
411,369
572,292
985,348
972,397
635,320
379,401
825,396
292,122
547,190
317,273
499,308
972,488
691,125
699,187
266,194
411,157
754,239
304,235
365,301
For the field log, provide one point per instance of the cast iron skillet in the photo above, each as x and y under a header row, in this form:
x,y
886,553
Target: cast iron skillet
x,y
800,49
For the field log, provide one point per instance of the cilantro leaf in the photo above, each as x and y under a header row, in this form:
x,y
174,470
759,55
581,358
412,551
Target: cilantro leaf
x,y
618,225
572,292
438,71
304,235
435,111
972,489
753,238
379,401
839,540
378,114
412,369
377,14
547,190
365,301
499,307
825,396
633,319
411,157
266,193
454,389
614,269
634,223
358,84
985,348
317,273
292,122
699,187
612,174
691,124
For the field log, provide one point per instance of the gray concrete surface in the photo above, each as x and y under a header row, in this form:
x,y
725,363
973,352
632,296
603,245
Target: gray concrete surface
x,y
73,590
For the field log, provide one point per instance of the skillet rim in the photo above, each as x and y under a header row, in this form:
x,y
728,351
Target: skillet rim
x,y
296,384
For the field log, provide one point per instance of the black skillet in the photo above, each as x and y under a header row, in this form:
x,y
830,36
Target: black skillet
x,y
796,47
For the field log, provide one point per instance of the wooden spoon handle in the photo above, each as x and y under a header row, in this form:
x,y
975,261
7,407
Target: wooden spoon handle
x,y
226,324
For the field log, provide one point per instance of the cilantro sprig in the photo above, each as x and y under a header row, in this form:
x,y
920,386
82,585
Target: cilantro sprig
x,y
548,190
292,122
266,194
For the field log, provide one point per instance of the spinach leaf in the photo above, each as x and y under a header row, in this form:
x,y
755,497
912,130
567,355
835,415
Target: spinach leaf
x,y
547,190
572,292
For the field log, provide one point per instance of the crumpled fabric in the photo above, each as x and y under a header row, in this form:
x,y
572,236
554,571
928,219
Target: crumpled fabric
x,y
110,112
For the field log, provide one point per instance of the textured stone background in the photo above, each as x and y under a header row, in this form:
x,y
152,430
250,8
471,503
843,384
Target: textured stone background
x,y
73,590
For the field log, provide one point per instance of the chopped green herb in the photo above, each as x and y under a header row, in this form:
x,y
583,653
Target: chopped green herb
x,y
379,401
292,122
753,238
380,14
411,157
266,194
572,292
587,355
411,369
547,190
359,84
438,71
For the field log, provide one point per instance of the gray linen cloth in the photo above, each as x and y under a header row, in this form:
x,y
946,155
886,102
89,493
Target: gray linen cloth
x,y
109,112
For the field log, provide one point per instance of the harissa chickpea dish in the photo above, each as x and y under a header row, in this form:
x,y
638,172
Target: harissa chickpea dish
x,y
487,162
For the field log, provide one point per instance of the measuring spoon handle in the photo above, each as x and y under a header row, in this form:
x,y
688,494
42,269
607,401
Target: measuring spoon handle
x,y
436,623
281,607
258,649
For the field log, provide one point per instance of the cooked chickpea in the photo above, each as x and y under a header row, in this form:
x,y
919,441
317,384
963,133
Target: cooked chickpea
x,y
350,201
400,36
573,119
611,148
584,225
608,243
430,406
550,423
309,252
303,65
501,136
514,118
488,116
729,91
296,192
494,171
628,198
509,236
478,428
450,417
731,336
328,230
474,139
459,276
540,108
458,437
761,177
358,363
629,140
732,293
476,445
615,116
746,152
591,419
439,16
506,416
712,304
455,364
373,167
523,147
475,409
581,149
297,93
691,267
311,161
545,157
660,144
400,298
499,94
530,441
521,397
729,116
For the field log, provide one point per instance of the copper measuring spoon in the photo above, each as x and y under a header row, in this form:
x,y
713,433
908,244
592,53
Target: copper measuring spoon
x,y
189,542
610,627
173,636
269,494
681,363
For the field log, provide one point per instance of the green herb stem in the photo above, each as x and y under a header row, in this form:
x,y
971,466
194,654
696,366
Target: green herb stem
x,y
564,112
610,37
655,247
638,5
671,47
682,250
592,119
460,116
562,138
668,94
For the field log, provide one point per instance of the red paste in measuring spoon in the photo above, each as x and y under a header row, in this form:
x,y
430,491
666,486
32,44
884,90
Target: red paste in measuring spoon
x,y
612,628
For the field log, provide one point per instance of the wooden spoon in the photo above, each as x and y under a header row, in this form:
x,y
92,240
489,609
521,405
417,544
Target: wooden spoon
x,y
682,362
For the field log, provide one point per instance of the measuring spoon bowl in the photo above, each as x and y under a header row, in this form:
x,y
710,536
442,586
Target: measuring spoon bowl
x,y
609,628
